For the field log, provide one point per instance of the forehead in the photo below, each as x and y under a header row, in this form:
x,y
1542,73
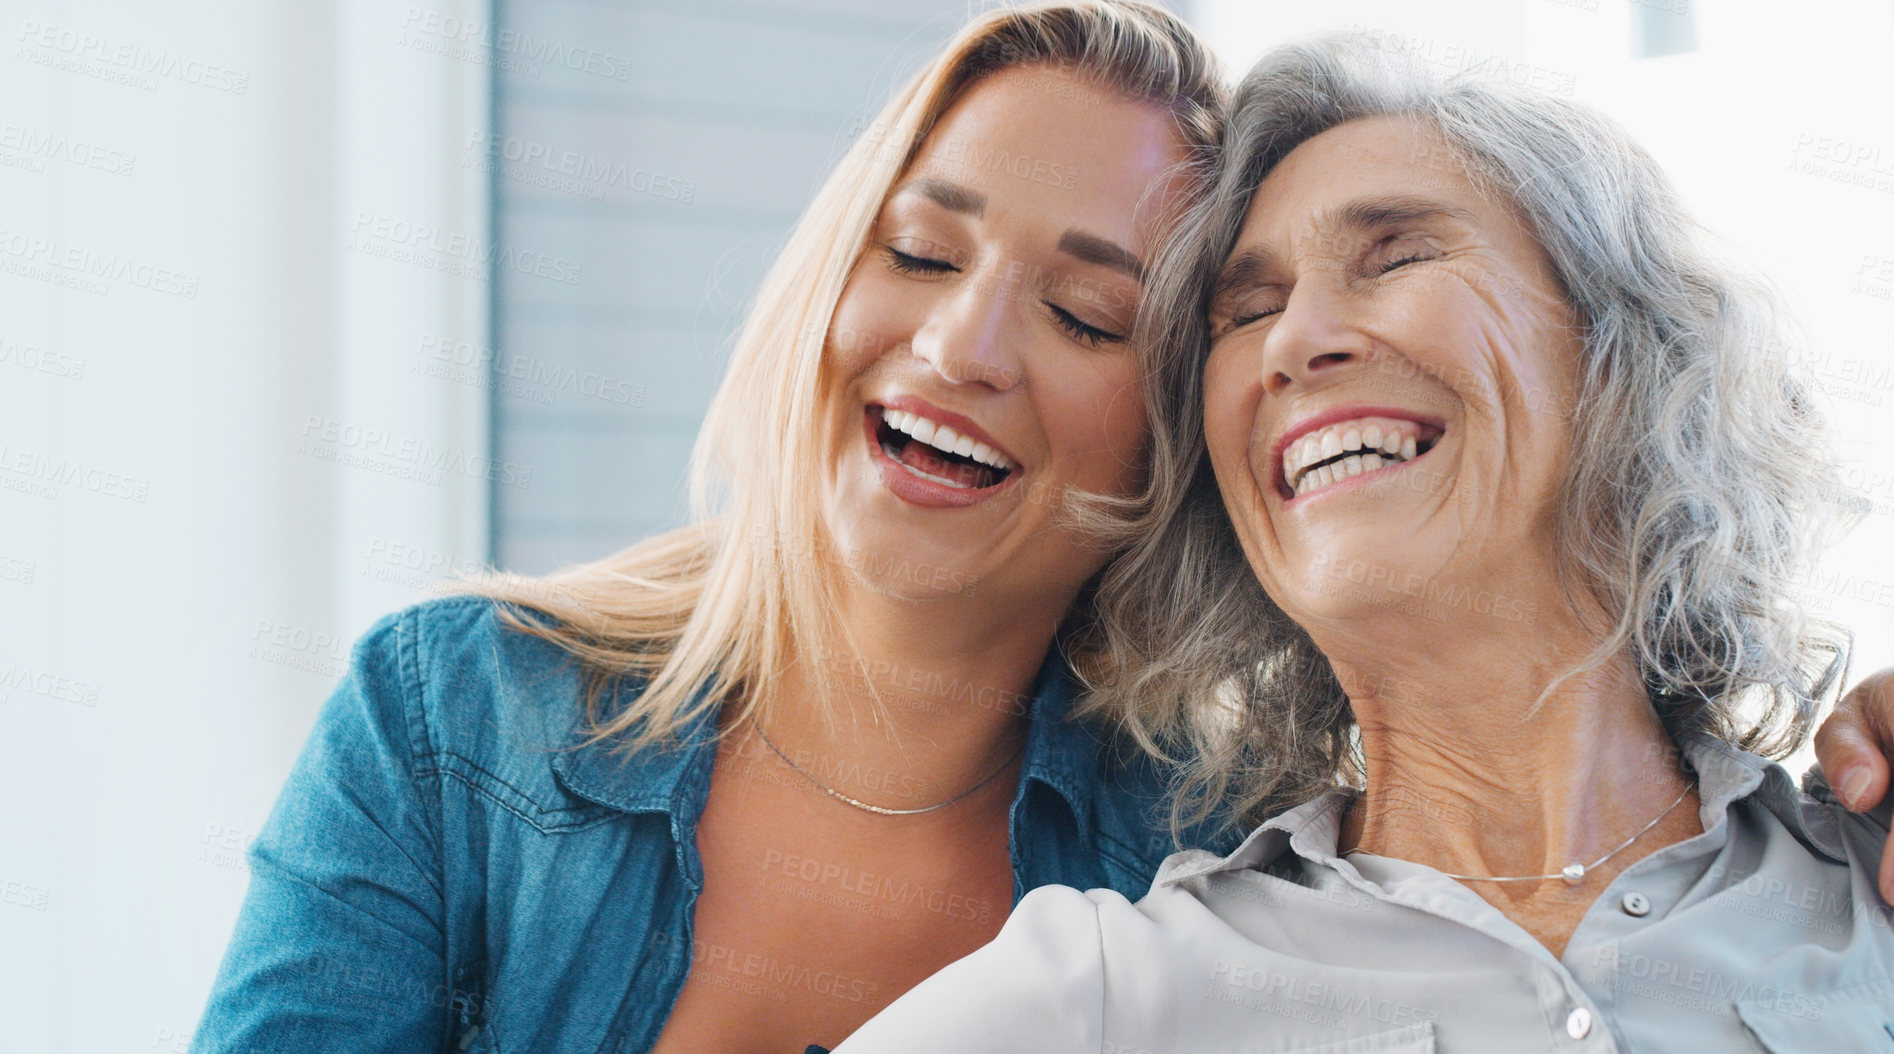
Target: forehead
x,y
1381,157
1052,144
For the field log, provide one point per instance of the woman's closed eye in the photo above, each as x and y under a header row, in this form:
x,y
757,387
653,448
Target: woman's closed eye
x,y
914,263
1251,310
1402,261
1398,251
1081,330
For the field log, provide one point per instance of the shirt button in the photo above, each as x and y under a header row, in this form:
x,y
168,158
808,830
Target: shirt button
x,y
1636,905
1578,1023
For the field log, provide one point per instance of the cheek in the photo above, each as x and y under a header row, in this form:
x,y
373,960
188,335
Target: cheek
x,y
1100,425
1229,408
868,322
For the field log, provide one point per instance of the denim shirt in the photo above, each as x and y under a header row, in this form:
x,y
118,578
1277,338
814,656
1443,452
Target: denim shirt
x,y
447,869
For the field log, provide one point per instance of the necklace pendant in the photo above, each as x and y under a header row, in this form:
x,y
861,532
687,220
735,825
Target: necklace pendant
x,y
1573,874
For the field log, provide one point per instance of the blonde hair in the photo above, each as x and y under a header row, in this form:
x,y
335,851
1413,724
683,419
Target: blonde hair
x,y
707,613
1699,489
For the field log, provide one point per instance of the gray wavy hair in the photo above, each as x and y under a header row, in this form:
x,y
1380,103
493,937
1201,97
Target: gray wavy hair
x,y
1699,489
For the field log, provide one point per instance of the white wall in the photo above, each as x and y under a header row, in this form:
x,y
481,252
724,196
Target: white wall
x,y
669,170
184,286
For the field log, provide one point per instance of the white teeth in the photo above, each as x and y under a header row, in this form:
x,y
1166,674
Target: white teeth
x,y
1370,445
941,437
956,484
990,457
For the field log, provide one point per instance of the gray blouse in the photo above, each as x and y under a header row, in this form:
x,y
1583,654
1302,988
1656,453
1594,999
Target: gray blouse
x,y
1763,933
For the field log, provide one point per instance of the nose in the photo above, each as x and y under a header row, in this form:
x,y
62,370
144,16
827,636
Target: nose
x,y
1312,336
967,335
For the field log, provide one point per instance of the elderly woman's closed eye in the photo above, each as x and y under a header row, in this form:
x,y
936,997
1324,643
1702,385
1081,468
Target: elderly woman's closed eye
x,y
1524,500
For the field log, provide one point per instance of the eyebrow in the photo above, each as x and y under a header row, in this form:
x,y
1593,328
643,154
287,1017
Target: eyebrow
x,y
1092,249
950,196
1244,272
1089,248
1246,268
1365,214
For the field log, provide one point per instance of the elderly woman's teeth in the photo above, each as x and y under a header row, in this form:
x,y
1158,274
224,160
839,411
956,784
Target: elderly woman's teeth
x,y
1350,448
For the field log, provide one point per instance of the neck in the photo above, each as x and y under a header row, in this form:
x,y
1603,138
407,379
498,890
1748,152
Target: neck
x,y
1474,768
917,700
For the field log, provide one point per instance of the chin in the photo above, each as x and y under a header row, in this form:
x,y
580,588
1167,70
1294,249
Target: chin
x,y
890,561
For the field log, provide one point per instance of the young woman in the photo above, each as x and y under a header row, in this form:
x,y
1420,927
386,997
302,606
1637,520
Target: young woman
x,y
738,786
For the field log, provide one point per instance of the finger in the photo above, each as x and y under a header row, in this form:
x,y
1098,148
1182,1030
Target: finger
x,y
1853,759
1866,722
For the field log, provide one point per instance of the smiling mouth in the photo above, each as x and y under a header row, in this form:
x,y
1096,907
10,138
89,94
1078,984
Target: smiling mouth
x,y
1347,449
937,453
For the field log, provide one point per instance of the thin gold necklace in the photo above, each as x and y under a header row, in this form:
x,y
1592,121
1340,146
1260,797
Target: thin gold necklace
x,y
877,809
1573,874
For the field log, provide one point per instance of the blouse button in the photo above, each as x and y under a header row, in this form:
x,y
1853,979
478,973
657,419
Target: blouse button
x,y
1637,905
1578,1023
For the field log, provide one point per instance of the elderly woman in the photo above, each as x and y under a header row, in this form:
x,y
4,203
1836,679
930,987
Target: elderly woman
x,y
1503,444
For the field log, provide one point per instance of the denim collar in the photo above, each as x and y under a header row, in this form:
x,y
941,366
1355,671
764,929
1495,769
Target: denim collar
x,y
675,778
1061,753
662,778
